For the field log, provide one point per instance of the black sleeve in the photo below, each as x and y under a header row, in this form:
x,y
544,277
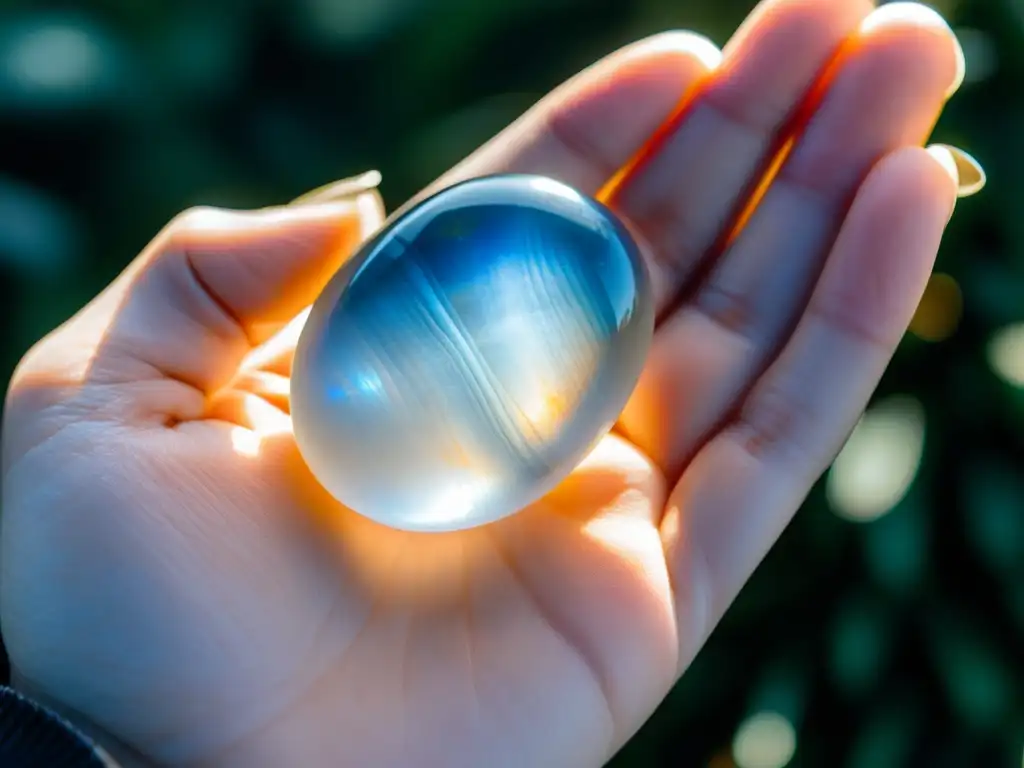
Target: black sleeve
x,y
34,737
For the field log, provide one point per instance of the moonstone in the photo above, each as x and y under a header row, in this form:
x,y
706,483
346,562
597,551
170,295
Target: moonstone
x,y
471,354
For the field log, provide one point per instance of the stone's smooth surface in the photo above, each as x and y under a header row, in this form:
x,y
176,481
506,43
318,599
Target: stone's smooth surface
x,y
472,353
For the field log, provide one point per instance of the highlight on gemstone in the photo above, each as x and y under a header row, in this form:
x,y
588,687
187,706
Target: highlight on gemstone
x,y
471,354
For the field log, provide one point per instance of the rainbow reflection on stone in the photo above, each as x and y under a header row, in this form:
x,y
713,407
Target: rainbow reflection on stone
x,y
471,354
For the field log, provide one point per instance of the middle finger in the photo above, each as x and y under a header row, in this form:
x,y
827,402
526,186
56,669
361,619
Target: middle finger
x,y
685,187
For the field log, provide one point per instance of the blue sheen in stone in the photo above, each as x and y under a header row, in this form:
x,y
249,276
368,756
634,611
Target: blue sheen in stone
x,y
471,354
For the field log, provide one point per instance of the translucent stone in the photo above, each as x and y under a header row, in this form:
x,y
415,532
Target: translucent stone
x,y
471,354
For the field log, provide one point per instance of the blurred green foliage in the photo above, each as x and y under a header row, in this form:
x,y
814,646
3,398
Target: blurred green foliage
x,y
898,642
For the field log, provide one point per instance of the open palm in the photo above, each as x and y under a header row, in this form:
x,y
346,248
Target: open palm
x,y
175,578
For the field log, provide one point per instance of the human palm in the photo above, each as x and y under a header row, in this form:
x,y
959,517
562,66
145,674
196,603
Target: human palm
x,y
175,578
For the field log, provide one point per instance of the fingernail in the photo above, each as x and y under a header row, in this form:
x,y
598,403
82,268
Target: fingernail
x,y
341,190
368,204
972,175
916,13
360,190
967,172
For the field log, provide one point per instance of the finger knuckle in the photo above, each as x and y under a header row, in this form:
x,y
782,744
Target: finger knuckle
x,y
773,424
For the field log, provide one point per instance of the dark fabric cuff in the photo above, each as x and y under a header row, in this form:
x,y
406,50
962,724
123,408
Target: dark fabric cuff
x,y
34,737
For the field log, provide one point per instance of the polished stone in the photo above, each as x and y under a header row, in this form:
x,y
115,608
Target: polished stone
x,y
471,354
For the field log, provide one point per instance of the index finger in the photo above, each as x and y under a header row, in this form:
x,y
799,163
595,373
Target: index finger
x,y
585,130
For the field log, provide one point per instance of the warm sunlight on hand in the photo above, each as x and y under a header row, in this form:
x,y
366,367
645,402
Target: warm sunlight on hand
x,y
175,581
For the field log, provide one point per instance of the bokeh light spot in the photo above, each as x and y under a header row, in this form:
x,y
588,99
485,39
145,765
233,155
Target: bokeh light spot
x,y
938,314
58,57
879,462
979,53
39,234
721,760
1006,354
354,23
764,740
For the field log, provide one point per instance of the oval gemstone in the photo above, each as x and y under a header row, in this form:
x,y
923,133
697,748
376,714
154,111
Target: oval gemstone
x,y
471,354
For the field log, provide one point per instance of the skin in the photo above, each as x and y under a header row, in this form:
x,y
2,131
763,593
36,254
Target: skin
x,y
176,582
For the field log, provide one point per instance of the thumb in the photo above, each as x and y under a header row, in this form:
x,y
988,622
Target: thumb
x,y
216,283
213,284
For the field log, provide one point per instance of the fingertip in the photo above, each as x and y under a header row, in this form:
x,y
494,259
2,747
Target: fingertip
x,y
372,211
350,219
365,207
825,21
929,176
916,15
696,46
667,62
904,12
887,245
359,195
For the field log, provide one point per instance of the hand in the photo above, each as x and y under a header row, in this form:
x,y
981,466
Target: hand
x,y
173,576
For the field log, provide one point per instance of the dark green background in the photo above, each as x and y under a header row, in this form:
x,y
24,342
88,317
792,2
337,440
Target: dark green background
x,y
895,643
